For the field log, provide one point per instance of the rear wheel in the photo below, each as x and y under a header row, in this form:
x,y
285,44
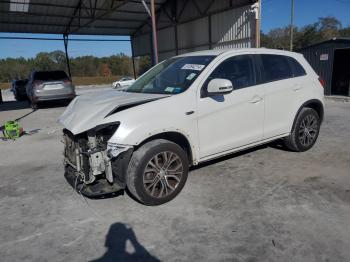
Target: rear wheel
x,y
33,105
305,131
157,172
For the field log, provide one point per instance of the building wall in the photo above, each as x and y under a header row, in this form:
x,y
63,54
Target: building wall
x,y
316,55
220,26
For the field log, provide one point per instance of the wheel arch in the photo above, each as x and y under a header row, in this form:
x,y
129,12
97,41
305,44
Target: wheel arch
x,y
315,104
175,137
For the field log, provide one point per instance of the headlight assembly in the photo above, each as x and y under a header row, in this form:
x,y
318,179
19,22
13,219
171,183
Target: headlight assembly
x,y
113,150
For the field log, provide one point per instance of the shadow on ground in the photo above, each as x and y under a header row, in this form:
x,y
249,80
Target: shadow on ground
x,y
17,105
122,245
53,104
278,144
13,105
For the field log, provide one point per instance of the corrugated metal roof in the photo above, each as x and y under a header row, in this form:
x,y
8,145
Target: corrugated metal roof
x,y
333,40
93,17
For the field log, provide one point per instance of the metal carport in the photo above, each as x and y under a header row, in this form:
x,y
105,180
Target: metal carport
x,y
181,25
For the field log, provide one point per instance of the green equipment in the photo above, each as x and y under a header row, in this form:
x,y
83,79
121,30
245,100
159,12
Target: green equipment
x,y
12,130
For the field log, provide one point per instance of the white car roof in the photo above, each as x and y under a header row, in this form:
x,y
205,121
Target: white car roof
x,y
241,50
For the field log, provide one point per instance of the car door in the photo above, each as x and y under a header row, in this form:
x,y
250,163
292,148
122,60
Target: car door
x,y
128,82
280,94
236,119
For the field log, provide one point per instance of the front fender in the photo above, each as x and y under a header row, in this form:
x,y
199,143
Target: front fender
x,y
134,135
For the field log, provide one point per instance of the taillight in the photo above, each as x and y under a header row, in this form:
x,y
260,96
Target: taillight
x,y
322,81
67,81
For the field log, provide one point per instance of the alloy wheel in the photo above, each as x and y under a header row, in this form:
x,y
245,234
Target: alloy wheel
x,y
308,130
163,174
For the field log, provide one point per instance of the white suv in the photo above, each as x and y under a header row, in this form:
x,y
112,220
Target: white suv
x,y
186,110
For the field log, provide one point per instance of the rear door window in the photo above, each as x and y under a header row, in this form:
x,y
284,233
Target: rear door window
x,y
50,75
275,67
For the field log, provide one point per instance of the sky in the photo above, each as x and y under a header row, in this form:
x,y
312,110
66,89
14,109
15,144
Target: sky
x,y
275,13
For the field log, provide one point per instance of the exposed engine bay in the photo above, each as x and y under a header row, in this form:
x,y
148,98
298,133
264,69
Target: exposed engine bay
x,y
93,163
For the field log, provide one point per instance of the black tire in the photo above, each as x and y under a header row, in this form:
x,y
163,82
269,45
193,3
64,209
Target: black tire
x,y
158,150
33,105
21,98
301,138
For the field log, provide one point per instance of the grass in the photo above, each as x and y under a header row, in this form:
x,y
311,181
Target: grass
x,y
82,80
94,80
4,85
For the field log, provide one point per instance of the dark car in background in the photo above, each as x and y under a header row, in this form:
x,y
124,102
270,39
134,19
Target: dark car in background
x,y
18,88
49,85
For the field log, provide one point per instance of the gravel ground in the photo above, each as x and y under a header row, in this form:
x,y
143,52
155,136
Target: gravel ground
x,y
264,204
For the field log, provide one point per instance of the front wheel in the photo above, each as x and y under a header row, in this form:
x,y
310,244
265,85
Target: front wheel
x,y
157,172
305,131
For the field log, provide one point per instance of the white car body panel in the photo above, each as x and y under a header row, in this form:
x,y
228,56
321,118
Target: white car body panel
x,y
90,110
284,98
229,121
244,118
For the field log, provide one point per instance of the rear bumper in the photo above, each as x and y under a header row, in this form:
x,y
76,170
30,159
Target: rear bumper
x,y
41,98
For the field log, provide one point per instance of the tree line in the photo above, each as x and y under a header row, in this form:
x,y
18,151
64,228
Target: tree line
x,y
324,29
115,65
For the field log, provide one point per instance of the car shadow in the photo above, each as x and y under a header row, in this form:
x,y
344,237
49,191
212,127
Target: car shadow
x,y
278,144
123,245
53,104
13,105
18,105
227,157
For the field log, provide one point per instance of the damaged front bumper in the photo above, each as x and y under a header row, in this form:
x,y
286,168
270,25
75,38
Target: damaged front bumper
x,y
95,168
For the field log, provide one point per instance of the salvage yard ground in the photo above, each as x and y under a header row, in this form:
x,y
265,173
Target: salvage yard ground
x,y
265,204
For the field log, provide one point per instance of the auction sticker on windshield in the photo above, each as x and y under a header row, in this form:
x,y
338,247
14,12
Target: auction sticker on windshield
x,y
169,89
191,76
193,67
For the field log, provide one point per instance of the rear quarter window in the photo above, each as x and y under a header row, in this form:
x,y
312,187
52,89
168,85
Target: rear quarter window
x,y
275,67
298,69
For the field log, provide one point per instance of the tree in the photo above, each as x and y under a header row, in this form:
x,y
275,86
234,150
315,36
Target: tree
x,y
104,70
144,64
324,29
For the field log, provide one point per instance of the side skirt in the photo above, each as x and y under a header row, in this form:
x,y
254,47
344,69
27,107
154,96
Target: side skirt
x,y
238,149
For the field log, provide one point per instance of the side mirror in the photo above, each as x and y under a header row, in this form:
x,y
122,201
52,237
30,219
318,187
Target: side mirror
x,y
219,86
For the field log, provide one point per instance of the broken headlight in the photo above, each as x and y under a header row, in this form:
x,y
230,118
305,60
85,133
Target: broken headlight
x,y
105,131
113,150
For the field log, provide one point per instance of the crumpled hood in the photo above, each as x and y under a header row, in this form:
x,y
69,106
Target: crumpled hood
x,y
87,111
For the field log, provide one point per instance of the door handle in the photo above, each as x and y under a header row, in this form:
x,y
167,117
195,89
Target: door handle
x,y
189,113
256,99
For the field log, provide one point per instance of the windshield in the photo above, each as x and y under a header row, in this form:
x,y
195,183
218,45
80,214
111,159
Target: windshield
x,y
172,76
